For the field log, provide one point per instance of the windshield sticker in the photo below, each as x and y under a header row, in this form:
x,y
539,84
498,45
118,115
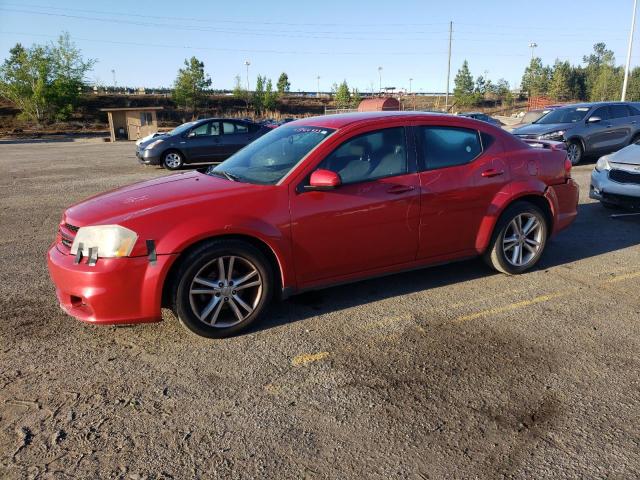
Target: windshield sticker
x,y
582,109
310,130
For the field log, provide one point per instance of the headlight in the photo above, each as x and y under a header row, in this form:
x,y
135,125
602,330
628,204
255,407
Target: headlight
x,y
557,135
110,240
603,163
154,144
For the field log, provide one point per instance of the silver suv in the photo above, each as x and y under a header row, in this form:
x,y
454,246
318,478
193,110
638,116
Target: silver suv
x,y
587,128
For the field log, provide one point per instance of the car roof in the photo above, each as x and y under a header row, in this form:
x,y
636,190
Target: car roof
x,y
592,104
343,119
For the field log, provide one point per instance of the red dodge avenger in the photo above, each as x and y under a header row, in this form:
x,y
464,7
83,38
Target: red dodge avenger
x,y
316,202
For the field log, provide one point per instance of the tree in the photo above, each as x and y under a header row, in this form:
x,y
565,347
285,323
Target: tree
x,y
482,86
190,85
463,86
536,78
44,81
269,97
560,86
356,98
503,91
342,95
258,95
594,62
633,89
283,84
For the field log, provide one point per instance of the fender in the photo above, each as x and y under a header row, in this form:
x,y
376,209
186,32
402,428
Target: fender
x,y
194,230
505,197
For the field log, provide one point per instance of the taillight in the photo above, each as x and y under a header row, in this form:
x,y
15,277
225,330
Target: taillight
x,y
567,168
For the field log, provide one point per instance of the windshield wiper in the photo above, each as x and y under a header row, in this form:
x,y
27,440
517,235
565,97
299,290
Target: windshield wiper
x,y
225,174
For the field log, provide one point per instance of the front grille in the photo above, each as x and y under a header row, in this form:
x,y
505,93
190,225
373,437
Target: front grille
x,y
622,176
67,234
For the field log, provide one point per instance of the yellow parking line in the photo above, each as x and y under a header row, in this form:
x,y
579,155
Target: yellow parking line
x,y
626,276
510,307
308,358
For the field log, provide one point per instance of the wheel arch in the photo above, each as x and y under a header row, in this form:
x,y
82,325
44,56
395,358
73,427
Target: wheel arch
x,y
264,247
489,222
579,139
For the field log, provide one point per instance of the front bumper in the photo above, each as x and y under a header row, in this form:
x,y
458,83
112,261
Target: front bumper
x,y
148,157
606,190
113,291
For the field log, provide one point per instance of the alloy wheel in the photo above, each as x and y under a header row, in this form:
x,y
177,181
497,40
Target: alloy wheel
x,y
172,160
225,291
573,152
522,239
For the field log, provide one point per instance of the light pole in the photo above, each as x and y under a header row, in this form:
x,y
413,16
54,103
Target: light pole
x,y
318,90
115,84
247,63
410,80
626,68
414,97
380,78
533,46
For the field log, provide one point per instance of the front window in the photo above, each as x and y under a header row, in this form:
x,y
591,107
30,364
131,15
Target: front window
x,y
182,128
564,115
272,156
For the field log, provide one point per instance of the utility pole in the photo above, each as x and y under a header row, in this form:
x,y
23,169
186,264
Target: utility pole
x,y
115,84
410,80
318,90
626,69
380,79
533,46
446,98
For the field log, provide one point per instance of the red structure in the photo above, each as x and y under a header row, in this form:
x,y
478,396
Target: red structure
x,y
379,104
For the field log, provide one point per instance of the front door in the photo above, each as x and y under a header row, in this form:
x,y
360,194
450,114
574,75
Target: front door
x,y
461,172
367,223
599,135
203,142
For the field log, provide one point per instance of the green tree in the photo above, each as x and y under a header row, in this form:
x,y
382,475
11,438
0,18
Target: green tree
x,y
259,94
238,91
356,98
283,84
594,62
269,97
44,82
560,86
535,80
633,89
463,86
69,70
190,85
342,95
608,84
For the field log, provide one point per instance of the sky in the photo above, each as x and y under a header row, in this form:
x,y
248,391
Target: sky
x,y
146,42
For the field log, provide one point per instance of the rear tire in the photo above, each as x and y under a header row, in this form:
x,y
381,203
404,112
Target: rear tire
x,y
575,152
221,288
172,160
518,239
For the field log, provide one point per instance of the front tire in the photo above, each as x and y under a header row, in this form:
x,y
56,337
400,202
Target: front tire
x,y
519,239
172,160
222,287
575,152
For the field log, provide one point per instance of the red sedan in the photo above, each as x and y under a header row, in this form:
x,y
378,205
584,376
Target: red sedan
x,y
313,203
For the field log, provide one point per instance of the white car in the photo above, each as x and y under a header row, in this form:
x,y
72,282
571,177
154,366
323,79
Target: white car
x,y
615,180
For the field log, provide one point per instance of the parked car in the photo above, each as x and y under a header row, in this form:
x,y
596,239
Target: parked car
x,y
482,117
203,141
615,180
530,117
148,138
587,128
316,202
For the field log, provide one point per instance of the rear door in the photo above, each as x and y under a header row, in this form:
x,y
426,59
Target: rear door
x,y
622,126
235,135
461,171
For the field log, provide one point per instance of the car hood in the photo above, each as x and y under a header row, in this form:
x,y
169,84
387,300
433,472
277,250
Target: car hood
x,y
146,141
125,204
629,155
541,129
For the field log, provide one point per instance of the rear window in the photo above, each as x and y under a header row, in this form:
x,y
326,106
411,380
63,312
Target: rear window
x,y
618,111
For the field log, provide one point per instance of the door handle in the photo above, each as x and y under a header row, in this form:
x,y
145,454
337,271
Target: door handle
x,y
396,189
492,172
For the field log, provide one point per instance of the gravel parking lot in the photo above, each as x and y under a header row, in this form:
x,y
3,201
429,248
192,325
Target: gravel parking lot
x,y
450,372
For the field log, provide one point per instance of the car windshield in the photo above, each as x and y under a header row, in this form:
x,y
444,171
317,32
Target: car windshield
x,y
563,115
272,156
181,129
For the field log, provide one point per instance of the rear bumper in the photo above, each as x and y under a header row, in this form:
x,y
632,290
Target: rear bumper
x,y
564,199
113,291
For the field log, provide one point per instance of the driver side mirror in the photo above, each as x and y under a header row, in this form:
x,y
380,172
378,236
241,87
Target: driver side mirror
x,y
324,180
594,119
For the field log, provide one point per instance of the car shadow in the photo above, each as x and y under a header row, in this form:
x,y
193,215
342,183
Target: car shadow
x,y
593,233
